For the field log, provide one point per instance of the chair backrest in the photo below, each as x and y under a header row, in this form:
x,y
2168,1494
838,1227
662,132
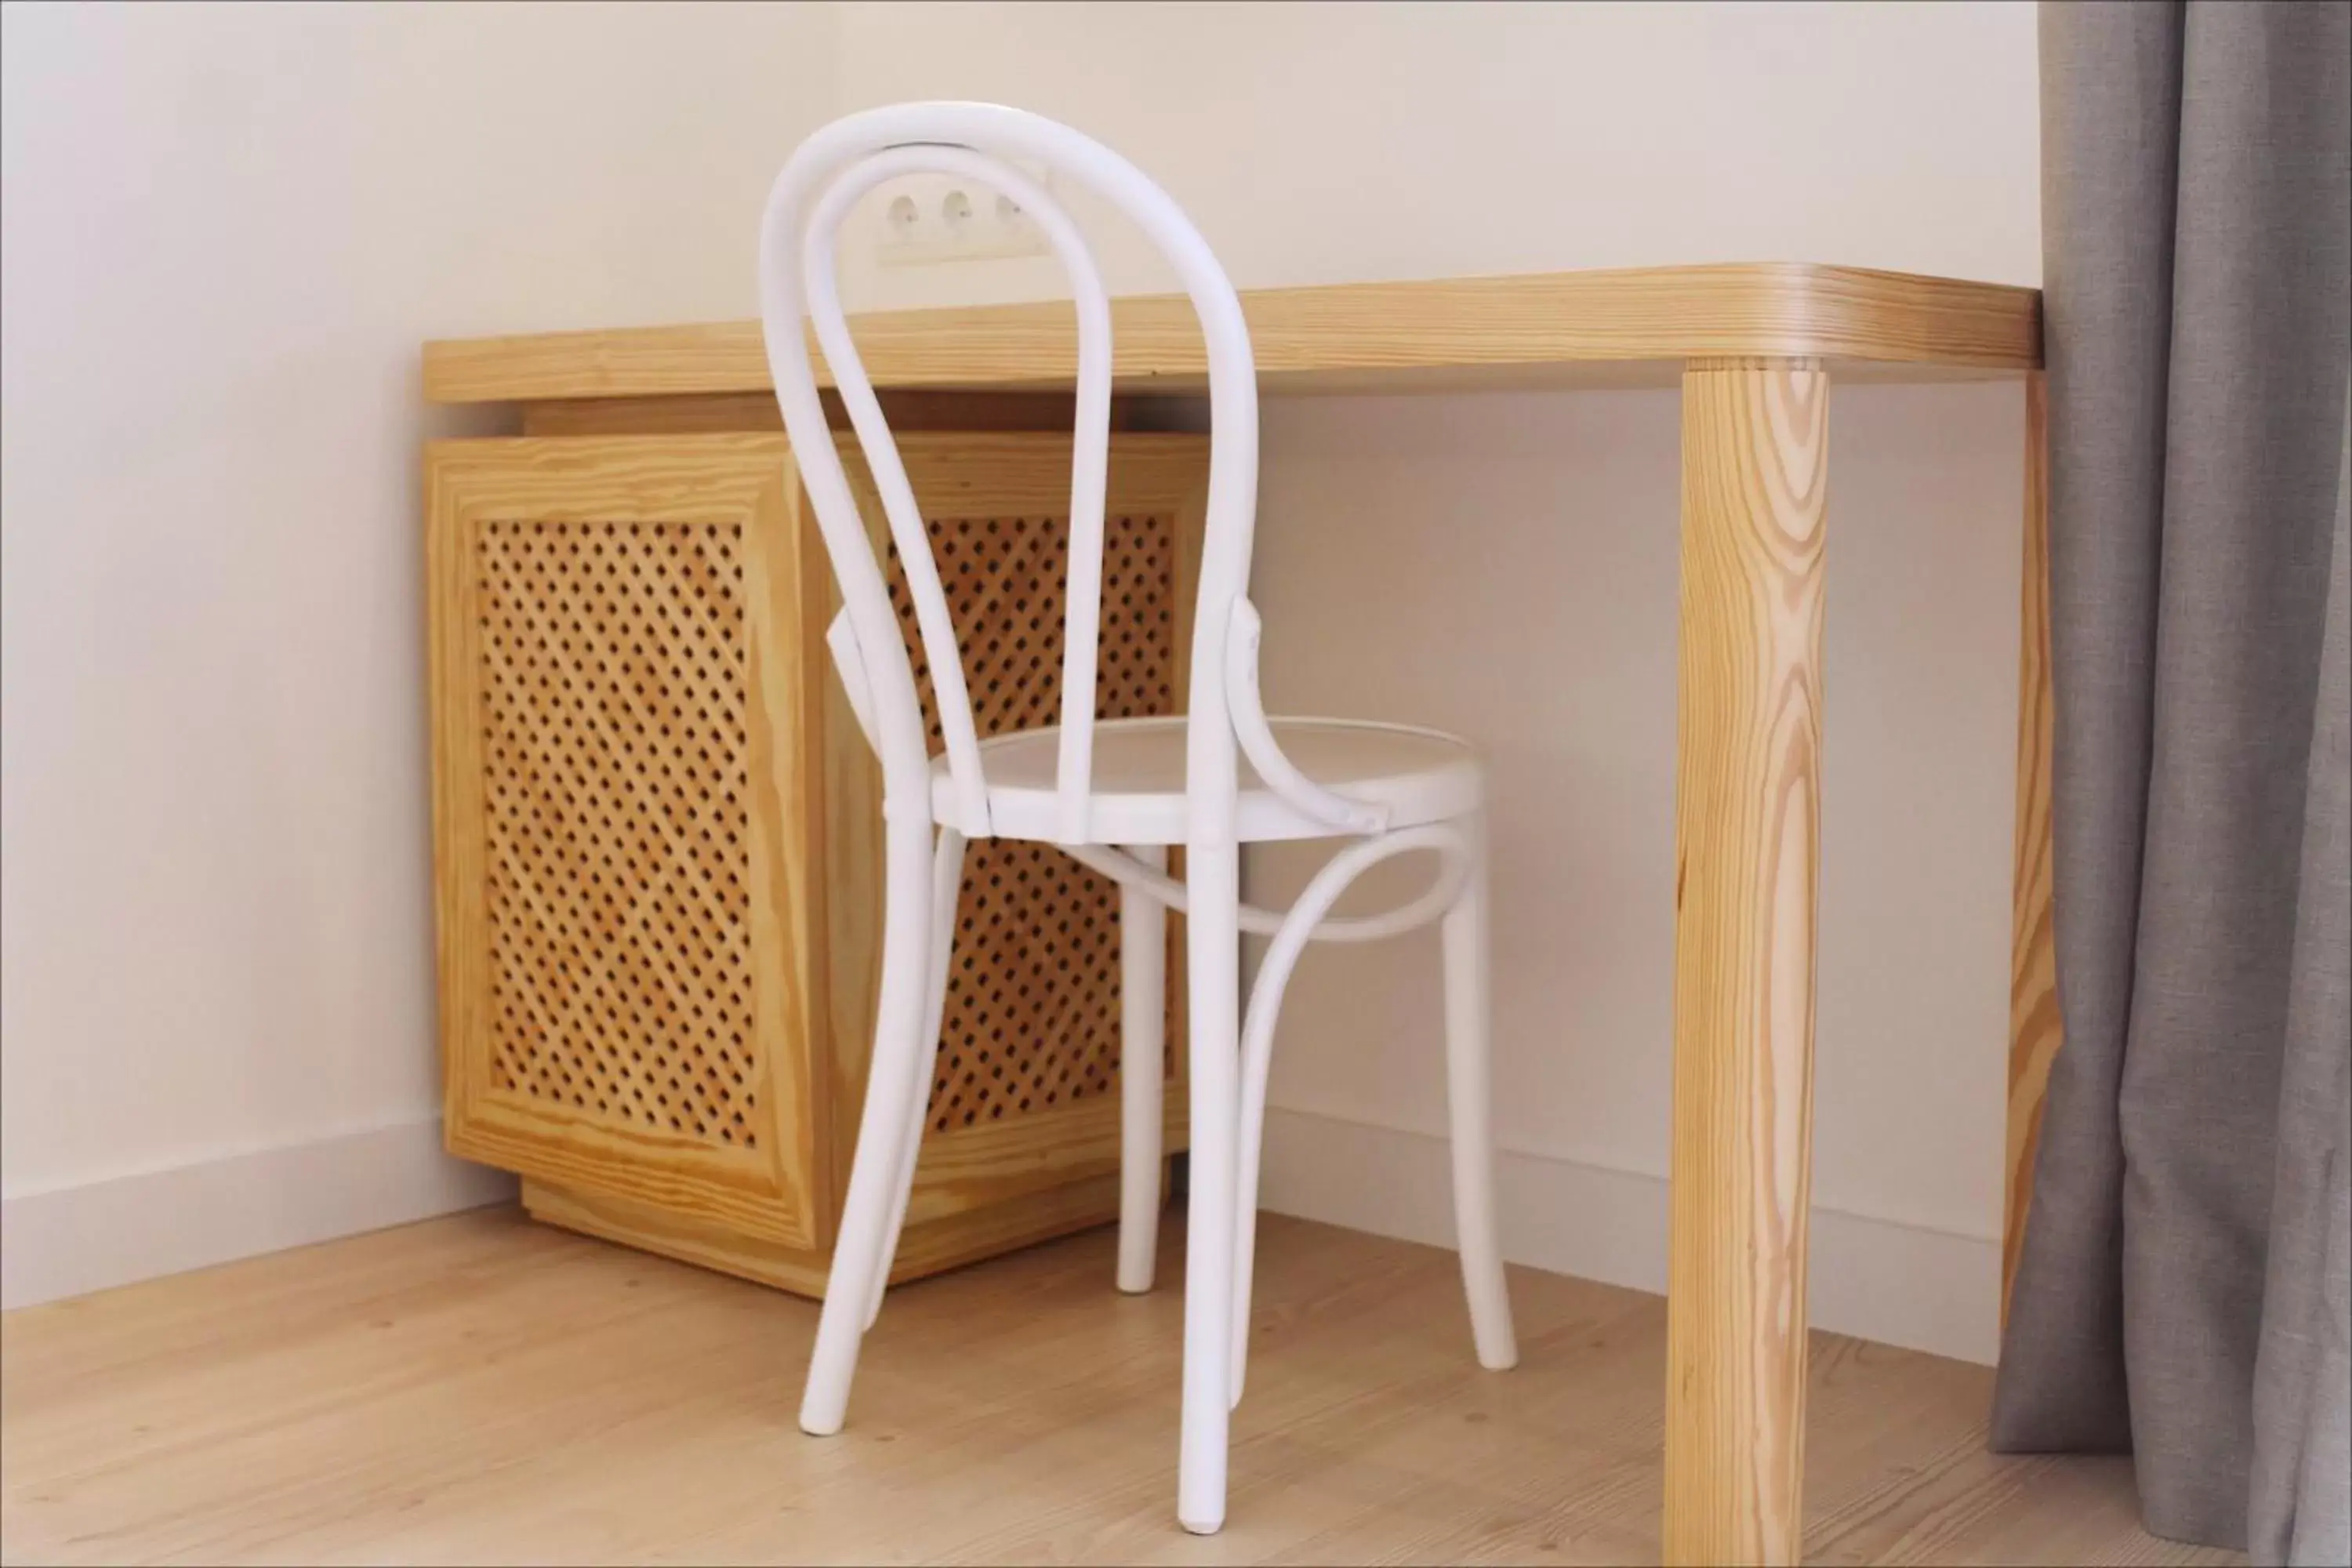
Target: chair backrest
x,y
799,237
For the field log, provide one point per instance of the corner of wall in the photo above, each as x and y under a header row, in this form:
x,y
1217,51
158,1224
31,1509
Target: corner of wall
x,y
89,1236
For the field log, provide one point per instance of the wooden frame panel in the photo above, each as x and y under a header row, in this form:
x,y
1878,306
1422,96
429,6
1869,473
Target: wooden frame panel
x,y
809,859
603,496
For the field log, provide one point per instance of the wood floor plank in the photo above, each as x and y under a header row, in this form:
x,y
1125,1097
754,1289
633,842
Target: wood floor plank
x,y
479,1389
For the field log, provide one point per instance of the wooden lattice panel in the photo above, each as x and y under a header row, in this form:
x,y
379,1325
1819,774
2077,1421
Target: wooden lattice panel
x,y
1033,1004
614,792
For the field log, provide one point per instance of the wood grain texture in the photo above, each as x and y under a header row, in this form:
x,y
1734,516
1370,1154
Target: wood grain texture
x,y
478,1389
1755,471
658,856
928,1245
2035,1026
721,413
624,822
1524,331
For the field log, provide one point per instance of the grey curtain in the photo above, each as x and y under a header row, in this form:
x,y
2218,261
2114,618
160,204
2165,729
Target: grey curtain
x,y
2182,1290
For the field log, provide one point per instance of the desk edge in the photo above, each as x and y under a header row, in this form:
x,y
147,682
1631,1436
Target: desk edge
x,y
1514,326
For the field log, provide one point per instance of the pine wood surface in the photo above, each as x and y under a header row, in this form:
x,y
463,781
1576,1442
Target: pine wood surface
x,y
478,1389
1747,871
1554,328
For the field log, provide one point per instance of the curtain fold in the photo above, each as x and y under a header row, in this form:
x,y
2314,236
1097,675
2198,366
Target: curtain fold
x,y
2303,1381
2198,292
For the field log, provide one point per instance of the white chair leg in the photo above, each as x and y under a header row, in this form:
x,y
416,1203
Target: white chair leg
x,y
1213,881
947,887
1143,1040
1469,1093
1258,1023
889,1082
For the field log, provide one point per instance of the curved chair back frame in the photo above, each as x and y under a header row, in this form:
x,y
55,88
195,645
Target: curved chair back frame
x,y
798,239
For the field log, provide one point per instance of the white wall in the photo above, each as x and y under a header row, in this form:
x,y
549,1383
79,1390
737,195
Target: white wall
x,y
1317,142
1506,565
226,232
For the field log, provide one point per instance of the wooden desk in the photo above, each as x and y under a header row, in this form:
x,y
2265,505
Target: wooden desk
x,y
1755,348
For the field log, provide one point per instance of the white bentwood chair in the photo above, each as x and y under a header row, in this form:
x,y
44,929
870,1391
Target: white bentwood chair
x,y
1113,794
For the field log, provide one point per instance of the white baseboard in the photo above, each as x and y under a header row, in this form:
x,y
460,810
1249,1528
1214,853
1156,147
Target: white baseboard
x,y
67,1241
1897,1284
1877,1279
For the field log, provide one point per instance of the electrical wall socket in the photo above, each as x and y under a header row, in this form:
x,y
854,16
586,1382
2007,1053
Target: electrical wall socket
x,y
924,220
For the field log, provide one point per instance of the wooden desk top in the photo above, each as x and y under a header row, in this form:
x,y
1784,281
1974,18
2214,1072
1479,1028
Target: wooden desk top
x,y
1543,330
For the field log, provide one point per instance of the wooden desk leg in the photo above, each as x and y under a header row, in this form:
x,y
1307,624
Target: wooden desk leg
x,y
1747,835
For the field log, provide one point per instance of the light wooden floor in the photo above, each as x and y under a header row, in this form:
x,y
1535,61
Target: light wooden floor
x,y
478,1389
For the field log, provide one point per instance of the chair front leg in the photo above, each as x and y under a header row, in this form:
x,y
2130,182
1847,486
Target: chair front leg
x,y
947,888
889,1082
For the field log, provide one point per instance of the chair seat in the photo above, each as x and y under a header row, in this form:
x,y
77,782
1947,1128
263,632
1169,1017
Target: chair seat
x,y
1421,776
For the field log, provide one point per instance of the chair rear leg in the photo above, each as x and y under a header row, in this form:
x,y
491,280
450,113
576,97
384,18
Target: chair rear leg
x,y
1143,1042
1469,1093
